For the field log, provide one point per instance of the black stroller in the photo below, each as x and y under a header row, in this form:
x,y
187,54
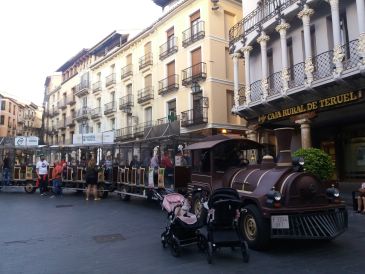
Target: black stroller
x,y
222,224
183,227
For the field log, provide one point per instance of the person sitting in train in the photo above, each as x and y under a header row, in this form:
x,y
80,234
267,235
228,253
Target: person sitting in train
x,y
134,163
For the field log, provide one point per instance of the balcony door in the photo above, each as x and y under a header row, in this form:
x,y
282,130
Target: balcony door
x,y
170,39
197,107
194,20
148,81
196,58
170,74
148,116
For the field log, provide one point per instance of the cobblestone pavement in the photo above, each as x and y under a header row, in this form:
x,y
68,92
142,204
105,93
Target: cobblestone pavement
x,y
70,235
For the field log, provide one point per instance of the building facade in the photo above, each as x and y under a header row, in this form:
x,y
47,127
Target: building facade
x,y
304,68
175,77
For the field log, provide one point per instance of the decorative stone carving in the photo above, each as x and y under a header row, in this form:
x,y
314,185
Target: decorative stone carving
x,y
285,76
309,68
263,38
236,55
246,49
282,27
305,12
265,86
334,3
248,94
338,56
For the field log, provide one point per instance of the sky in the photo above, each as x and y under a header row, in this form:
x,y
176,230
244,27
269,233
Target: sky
x,y
38,36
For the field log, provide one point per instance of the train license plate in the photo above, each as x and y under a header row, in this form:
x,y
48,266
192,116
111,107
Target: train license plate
x,y
280,222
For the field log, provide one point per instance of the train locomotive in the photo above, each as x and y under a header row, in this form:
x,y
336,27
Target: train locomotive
x,y
281,201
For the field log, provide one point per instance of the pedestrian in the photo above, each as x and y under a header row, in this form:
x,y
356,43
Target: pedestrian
x,y
169,167
6,170
92,179
57,178
361,199
154,164
42,174
108,165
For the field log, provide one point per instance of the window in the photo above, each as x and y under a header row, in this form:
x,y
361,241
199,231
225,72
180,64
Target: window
x,y
230,103
170,38
129,59
171,110
289,43
148,81
147,48
112,124
194,19
270,62
129,89
98,127
9,107
313,42
228,23
229,65
2,120
3,105
148,116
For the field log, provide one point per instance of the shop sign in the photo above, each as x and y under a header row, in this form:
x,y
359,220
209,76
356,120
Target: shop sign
x,y
22,141
93,138
312,106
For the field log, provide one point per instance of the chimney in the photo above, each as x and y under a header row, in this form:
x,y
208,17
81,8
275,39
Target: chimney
x,y
283,138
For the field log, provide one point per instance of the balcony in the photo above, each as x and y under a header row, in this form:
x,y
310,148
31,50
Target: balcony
x,y
110,108
70,121
193,117
95,113
126,102
71,99
169,48
144,95
54,112
62,104
258,17
97,86
62,124
110,80
194,73
146,61
82,89
82,114
126,72
124,133
193,34
170,83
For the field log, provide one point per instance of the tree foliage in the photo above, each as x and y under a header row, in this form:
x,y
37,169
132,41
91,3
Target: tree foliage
x,y
317,162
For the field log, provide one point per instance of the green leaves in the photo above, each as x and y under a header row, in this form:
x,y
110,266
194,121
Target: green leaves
x,y
317,162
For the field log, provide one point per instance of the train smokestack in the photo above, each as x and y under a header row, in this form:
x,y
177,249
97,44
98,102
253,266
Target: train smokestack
x,y
283,138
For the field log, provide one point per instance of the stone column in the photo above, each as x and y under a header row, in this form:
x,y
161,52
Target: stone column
x,y
282,29
360,7
338,55
236,80
246,51
305,132
305,15
252,135
262,40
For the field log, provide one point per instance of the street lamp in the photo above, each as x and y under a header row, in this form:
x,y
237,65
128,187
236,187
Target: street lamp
x,y
195,87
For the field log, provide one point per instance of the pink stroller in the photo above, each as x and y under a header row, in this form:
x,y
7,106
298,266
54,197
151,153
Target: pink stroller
x,y
183,227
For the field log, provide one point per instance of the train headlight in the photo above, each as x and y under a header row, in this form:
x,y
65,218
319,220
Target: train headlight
x,y
273,198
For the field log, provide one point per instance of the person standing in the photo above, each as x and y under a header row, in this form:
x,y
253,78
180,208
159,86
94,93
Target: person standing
x,y
57,178
92,179
135,163
42,174
6,170
169,167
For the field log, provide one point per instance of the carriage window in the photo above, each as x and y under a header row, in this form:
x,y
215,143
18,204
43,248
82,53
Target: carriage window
x,y
201,161
226,155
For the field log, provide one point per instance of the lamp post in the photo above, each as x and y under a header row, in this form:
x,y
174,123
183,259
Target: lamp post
x,y
195,87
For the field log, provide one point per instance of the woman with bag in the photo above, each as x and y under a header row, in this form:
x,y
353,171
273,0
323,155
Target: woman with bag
x,y
92,180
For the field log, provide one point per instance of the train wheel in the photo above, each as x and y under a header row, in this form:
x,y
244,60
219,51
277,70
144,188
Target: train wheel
x,y
29,188
254,228
198,208
123,196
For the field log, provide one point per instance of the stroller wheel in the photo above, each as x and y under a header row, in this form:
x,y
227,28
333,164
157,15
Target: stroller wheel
x,y
210,252
175,248
245,254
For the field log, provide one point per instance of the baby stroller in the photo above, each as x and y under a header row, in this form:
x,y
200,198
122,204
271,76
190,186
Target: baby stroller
x,y
183,227
222,224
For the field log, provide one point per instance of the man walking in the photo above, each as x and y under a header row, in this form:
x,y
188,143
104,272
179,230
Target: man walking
x,y
6,170
42,173
57,178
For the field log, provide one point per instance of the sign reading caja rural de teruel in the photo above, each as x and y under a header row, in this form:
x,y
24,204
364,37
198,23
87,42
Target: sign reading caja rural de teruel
x,y
311,106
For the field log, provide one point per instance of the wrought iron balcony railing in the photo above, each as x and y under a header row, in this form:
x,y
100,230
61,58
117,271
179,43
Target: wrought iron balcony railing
x,y
62,124
82,114
110,107
323,65
193,34
257,17
82,88
97,86
194,73
62,104
297,75
170,83
110,80
124,133
126,71
194,117
275,83
95,113
126,102
146,61
71,100
169,119
352,54
256,91
70,121
145,95
242,94
169,48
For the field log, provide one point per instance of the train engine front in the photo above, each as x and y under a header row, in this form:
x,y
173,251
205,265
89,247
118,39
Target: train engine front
x,y
282,201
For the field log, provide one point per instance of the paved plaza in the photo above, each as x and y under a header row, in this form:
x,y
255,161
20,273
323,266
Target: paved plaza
x,y
70,235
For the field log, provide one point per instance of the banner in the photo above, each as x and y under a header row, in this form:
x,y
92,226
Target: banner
x,y
93,138
22,141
